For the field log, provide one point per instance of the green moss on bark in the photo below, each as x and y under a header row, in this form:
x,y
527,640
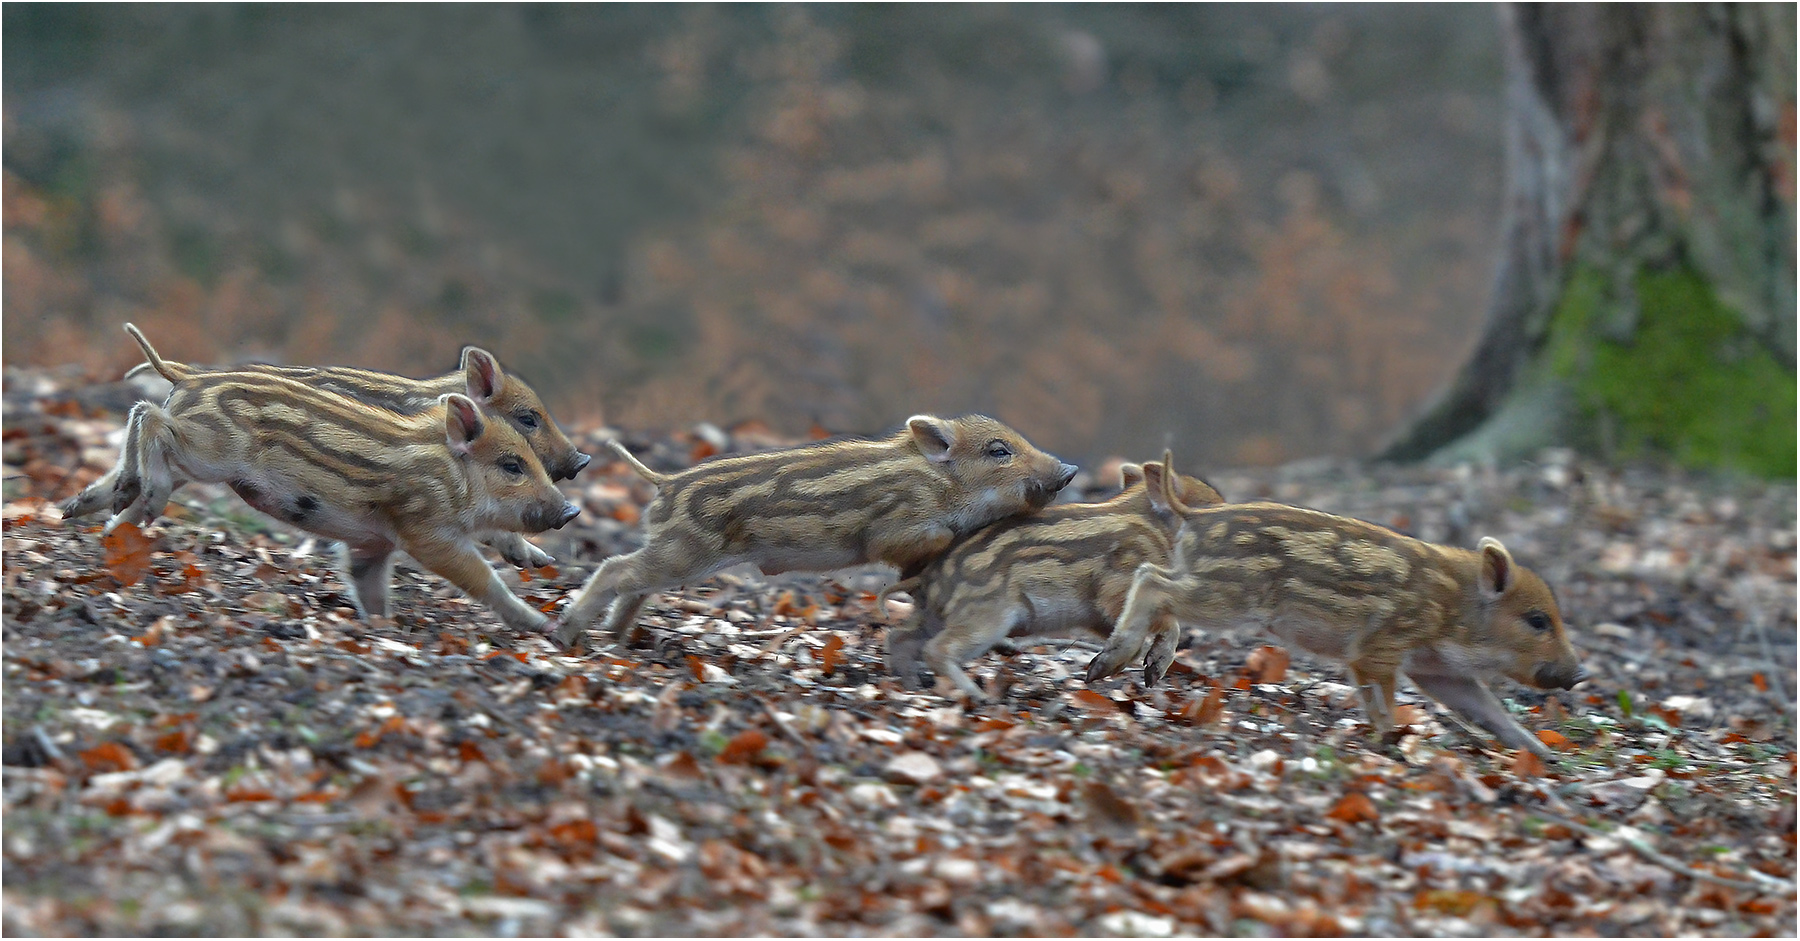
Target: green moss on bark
x,y
1689,383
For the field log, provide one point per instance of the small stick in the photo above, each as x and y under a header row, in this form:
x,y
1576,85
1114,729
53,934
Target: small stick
x,y
1762,637
1767,884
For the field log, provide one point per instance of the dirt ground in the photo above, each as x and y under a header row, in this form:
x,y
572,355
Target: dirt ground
x,y
201,737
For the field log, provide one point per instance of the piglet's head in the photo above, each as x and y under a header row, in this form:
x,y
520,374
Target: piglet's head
x,y
511,485
996,472
1192,492
1518,628
509,398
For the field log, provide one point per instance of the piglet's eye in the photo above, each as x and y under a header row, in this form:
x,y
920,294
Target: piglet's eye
x,y
1538,620
998,450
528,420
512,465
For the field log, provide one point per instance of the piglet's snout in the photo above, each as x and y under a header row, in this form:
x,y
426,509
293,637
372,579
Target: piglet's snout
x,y
1551,676
574,466
1068,474
549,516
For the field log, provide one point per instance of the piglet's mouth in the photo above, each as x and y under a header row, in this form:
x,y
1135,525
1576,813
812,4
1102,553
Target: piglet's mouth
x,y
572,466
542,518
1043,491
1558,677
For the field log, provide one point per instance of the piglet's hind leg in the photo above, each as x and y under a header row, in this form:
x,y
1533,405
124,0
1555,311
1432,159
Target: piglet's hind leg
x,y
368,569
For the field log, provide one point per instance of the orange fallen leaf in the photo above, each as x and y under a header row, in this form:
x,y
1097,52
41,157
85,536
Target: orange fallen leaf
x,y
831,655
702,450
1206,710
626,513
1407,714
1555,739
787,606
1458,902
469,751
553,773
109,756
1353,807
153,636
697,666
1089,699
248,796
1760,682
1526,765
575,831
127,553
743,747
683,766
178,742
1267,664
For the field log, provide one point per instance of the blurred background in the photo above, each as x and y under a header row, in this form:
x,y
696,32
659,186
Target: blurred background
x,y
1255,233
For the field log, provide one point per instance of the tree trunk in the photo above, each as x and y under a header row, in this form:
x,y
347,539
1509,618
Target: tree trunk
x,y
1644,301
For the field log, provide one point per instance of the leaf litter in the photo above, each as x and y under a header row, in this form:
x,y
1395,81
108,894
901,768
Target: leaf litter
x,y
201,737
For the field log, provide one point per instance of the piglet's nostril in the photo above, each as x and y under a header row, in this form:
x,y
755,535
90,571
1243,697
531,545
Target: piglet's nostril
x,y
581,461
569,512
1068,474
1581,675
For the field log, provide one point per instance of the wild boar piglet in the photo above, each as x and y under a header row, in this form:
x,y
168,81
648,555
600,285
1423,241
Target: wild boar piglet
x,y
374,480
816,507
501,395
1382,603
1062,571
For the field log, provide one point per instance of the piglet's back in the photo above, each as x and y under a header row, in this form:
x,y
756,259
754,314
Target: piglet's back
x,y
1262,555
316,439
822,482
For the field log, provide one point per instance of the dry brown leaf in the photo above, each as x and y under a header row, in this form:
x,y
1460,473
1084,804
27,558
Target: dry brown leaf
x,y
127,553
1526,765
109,756
1353,807
832,654
683,765
1267,664
1108,809
743,747
1089,699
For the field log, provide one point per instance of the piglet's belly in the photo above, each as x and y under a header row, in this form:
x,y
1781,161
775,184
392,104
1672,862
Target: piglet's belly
x,y
1310,633
308,511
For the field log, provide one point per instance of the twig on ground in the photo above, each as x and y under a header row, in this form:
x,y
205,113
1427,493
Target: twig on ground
x,y
1764,882
1774,669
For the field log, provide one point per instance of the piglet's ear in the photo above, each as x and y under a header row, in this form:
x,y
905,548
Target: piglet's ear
x,y
483,373
1131,475
934,435
462,422
1497,573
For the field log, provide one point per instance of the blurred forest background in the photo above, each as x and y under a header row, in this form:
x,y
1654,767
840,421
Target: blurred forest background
x,y
1256,233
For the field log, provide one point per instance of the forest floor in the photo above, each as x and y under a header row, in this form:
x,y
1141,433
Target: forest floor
x,y
201,737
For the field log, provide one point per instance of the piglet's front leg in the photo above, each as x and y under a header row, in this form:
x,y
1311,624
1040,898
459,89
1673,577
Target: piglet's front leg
x,y
1470,698
462,564
517,550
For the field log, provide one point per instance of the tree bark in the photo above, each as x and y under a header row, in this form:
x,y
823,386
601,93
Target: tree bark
x,y
1644,300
